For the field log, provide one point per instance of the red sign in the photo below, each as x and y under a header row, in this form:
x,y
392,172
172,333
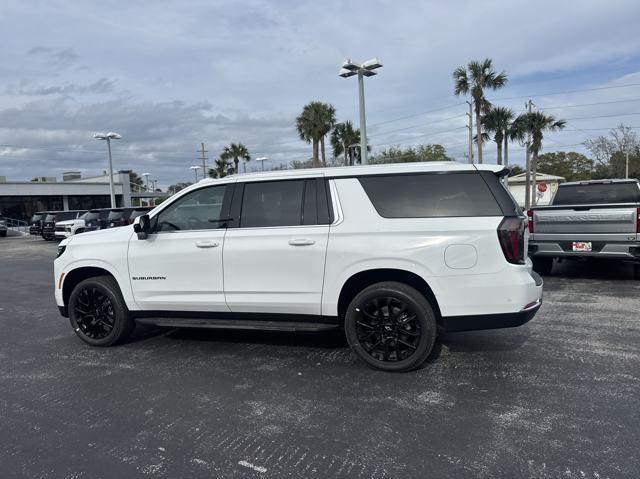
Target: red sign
x,y
542,187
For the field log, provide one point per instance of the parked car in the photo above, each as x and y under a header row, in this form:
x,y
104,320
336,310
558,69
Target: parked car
x,y
67,228
390,253
96,219
49,223
3,227
587,219
35,223
124,216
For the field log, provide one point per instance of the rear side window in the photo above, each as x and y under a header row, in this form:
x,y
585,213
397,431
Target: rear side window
x,y
597,193
430,195
272,203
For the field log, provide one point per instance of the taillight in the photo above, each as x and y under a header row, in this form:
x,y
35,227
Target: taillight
x,y
530,220
638,220
511,237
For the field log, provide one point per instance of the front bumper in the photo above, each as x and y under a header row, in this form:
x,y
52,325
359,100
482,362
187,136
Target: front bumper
x,y
62,234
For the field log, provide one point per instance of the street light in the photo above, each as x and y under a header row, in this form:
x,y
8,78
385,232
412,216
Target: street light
x,y
350,68
262,159
195,170
109,136
146,175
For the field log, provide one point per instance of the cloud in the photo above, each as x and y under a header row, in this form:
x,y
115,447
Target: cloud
x,y
99,87
61,59
242,70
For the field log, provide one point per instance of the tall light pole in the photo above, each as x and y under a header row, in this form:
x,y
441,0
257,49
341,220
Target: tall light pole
x,y
146,176
109,136
349,69
262,159
195,170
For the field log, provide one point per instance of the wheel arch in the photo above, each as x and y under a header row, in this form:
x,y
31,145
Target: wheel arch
x,y
358,281
75,276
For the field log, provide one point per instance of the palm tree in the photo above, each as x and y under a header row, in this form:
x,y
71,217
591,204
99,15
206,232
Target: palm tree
x,y
498,121
236,152
534,124
474,79
342,136
313,124
222,169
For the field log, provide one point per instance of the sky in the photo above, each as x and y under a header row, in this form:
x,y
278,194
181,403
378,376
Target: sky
x,y
168,75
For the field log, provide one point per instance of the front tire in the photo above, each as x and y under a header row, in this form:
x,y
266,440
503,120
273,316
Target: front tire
x,y
391,326
3,234
98,313
636,271
543,265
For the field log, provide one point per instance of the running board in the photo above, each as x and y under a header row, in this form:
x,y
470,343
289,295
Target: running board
x,y
238,324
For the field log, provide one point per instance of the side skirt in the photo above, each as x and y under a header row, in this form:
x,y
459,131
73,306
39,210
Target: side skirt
x,y
245,321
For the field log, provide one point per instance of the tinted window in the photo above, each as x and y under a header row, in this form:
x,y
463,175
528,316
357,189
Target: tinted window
x,y
92,215
597,193
116,214
430,195
272,203
136,213
198,210
66,215
35,218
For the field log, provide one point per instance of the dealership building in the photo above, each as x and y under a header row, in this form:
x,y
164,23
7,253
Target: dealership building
x,y
21,199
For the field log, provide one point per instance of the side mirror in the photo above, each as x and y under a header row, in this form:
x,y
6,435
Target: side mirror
x,y
142,226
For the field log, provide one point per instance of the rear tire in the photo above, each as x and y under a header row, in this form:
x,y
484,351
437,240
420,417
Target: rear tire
x,y
636,271
391,326
3,234
98,313
543,265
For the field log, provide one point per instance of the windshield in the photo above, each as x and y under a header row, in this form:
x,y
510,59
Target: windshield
x,y
66,215
597,193
35,218
116,215
50,218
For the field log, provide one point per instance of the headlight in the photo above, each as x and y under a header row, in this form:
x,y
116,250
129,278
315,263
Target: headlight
x,y
67,228
61,250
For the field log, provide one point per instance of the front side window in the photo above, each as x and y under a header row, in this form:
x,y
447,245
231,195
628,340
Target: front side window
x,y
272,203
198,210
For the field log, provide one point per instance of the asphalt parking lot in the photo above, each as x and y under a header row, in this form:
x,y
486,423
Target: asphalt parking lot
x,y
559,397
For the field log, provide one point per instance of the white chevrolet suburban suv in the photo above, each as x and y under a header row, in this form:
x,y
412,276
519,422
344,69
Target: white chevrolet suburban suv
x,y
391,253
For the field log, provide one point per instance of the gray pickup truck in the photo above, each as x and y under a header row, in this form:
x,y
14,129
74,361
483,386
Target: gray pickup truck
x,y
587,219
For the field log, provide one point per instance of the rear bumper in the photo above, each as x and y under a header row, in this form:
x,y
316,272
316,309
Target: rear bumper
x,y
453,324
629,250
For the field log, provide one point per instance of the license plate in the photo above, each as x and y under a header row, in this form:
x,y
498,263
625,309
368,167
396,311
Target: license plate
x,y
582,246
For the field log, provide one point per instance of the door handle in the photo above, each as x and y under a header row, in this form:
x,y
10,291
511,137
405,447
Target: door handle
x,y
301,242
207,244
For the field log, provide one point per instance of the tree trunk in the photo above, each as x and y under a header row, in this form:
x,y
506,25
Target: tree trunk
x,y
315,152
534,172
237,162
499,145
479,133
324,159
346,155
506,150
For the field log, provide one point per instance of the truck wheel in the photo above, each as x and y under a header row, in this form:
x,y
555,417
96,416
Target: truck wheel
x,y
98,313
391,326
636,271
543,265
3,234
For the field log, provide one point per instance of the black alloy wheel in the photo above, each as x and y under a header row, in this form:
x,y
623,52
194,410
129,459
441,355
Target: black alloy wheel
x,y
94,313
391,326
388,329
98,313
